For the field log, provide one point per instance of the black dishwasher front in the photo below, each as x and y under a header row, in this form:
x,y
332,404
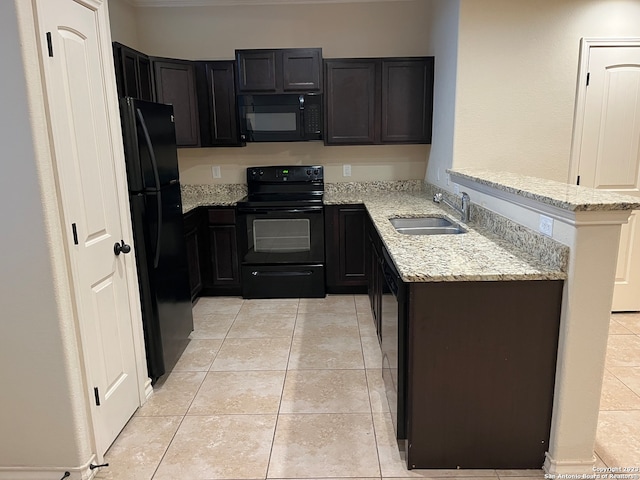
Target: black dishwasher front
x,y
393,344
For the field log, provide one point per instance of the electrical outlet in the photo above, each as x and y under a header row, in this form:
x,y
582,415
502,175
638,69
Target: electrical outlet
x,y
346,170
215,171
456,189
546,225
448,180
438,174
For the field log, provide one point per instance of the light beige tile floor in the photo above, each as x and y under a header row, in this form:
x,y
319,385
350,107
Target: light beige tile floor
x,y
292,389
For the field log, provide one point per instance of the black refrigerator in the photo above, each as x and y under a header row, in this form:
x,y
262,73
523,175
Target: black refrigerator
x,y
158,232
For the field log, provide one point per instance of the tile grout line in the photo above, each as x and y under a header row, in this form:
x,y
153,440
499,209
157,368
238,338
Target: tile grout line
x,y
366,377
155,471
628,388
275,428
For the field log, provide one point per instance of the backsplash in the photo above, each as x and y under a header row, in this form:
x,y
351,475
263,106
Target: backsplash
x,y
375,186
543,248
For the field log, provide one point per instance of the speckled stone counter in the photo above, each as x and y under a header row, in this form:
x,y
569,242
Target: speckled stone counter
x,y
194,196
477,255
561,195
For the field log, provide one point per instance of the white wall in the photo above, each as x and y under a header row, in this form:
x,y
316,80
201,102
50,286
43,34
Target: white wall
x,y
42,415
341,29
517,73
443,26
123,17
372,162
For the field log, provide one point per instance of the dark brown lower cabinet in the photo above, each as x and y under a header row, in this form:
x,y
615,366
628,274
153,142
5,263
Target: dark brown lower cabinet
x,y
375,274
345,244
481,363
195,243
223,275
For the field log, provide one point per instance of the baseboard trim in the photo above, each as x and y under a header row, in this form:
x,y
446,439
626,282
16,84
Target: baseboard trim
x,y
553,468
148,389
48,473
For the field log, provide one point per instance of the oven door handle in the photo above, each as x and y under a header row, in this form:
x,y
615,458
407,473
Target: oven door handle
x,y
267,210
301,273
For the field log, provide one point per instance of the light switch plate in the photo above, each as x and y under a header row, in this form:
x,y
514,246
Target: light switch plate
x,y
546,225
346,170
215,171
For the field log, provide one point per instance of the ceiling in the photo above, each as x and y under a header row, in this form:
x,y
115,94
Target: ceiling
x,y
227,3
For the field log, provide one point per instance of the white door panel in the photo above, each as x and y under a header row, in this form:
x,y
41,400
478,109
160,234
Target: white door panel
x,y
85,161
610,150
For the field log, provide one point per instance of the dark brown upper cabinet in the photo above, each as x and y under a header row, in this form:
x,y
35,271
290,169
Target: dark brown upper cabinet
x,y
134,75
407,100
350,102
378,100
217,110
175,85
292,70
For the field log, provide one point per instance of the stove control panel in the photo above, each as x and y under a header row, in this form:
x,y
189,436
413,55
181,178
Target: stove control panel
x,y
281,174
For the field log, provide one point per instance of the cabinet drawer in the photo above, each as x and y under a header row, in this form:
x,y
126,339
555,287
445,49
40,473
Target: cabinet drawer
x,y
222,216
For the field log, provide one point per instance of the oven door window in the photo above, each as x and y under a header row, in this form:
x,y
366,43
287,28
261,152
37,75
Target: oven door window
x,y
283,235
274,237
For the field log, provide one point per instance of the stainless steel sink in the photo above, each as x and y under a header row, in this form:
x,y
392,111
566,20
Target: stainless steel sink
x,y
426,226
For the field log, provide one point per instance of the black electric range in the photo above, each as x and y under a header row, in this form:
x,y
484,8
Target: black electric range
x,y
281,232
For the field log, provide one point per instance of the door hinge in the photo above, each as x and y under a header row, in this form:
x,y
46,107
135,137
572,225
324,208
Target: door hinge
x,y
578,180
588,77
75,233
49,44
96,392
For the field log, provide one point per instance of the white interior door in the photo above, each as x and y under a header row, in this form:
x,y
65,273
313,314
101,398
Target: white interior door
x,y
610,151
81,129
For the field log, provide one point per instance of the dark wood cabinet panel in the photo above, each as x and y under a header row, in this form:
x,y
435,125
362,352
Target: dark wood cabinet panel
x,y
224,255
194,242
175,85
134,77
302,70
378,100
350,103
345,240
256,71
222,265
129,73
292,70
217,104
502,338
145,76
407,101
375,274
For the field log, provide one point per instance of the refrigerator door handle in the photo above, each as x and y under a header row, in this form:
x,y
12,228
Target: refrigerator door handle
x,y
152,153
156,258
156,175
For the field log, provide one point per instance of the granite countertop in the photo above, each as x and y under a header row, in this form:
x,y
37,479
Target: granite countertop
x,y
477,255
222,195
561,195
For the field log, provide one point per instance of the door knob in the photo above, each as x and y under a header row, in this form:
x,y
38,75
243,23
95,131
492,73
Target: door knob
x,y
121,247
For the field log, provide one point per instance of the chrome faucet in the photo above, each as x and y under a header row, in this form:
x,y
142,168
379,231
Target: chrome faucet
x,y
466,205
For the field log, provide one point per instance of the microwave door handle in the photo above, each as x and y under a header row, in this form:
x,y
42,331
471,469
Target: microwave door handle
x,y
302,129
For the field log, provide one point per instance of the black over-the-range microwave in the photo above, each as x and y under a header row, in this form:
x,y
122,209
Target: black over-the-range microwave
x,y
280,118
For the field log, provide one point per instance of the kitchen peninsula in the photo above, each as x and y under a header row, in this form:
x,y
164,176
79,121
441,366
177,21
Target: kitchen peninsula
x,y
498,248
